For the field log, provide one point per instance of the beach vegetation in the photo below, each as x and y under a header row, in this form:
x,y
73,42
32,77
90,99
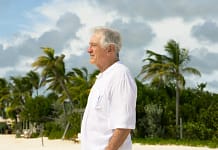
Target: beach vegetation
x,y
50,100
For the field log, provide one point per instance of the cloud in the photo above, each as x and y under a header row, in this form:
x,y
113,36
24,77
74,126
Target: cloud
x,y
135,36
156,9
206,32
8,58
210,79
204,60
212,85
144,24
79,62
67,27
1,47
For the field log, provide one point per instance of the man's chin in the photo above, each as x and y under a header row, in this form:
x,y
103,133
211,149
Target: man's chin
x,y
92,62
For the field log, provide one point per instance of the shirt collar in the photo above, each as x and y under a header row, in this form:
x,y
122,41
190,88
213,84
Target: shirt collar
x,y
101,74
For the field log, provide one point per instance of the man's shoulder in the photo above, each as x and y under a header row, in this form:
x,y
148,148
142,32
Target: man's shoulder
x,y
121,72
121,67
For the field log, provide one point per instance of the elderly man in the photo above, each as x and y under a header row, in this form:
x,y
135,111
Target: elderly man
x,y
110,112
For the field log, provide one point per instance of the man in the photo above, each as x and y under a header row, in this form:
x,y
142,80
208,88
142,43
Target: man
x,y
110,112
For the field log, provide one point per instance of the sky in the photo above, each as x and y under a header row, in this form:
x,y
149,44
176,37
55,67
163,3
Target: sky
x,y
65,25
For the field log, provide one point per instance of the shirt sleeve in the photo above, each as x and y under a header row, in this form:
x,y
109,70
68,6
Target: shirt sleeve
x,y
122,113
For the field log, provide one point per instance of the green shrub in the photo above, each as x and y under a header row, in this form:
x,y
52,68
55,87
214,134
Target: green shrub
x,y
170,131
35,135
75,124
3,127
56,134
53,130
196,130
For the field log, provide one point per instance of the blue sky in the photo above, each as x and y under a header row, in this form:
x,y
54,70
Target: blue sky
x,y
27,25
14,15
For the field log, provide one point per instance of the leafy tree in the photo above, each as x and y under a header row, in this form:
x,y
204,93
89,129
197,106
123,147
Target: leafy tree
x,y
80,83
34,79
4,95
177,59
20,91
53,70
169,68
39,109
154,69
202,86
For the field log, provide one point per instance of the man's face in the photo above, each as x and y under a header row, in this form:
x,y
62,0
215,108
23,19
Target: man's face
x,y
96,51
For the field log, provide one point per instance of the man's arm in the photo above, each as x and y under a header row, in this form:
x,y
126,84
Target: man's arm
x,y
117,139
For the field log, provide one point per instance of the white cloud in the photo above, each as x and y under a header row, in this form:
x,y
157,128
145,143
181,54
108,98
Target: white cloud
x,y
73,47
158,10
65,26
206,32
209,79
173,28
4,71
19,69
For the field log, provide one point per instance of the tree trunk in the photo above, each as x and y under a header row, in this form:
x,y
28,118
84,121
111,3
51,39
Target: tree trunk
x,y
68,95
65,131
177,109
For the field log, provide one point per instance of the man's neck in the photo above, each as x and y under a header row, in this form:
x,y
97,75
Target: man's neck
x,y
103,68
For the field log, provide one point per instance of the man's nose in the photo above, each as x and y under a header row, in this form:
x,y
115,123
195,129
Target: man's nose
x,y
89,49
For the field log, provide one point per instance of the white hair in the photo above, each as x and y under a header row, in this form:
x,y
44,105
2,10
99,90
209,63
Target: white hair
x,y
109,37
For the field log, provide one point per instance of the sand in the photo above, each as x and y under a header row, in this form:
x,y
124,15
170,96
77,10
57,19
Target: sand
x,y
9,142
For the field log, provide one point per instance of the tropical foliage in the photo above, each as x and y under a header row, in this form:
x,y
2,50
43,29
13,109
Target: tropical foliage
x,y
55,97
169,69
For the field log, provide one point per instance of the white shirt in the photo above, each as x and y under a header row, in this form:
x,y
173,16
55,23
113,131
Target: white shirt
x,y
111,104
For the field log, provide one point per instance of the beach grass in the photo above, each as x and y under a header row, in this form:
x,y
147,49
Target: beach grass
x,y
184,142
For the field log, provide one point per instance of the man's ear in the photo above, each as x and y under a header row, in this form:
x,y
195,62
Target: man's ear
x,y
111,48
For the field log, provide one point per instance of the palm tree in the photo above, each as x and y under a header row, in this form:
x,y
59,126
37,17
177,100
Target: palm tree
x,y
53,70
154,69
80,83
4,95
34,79
170,67
177,59
21,90
20,93
201,86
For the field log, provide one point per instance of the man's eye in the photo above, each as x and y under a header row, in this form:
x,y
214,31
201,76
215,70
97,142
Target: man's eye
x,y
93,45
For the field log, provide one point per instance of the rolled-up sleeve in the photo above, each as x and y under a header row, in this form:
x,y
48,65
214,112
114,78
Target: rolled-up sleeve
x,y
122,113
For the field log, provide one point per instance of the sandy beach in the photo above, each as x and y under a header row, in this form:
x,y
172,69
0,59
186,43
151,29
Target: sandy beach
x,y
9,142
